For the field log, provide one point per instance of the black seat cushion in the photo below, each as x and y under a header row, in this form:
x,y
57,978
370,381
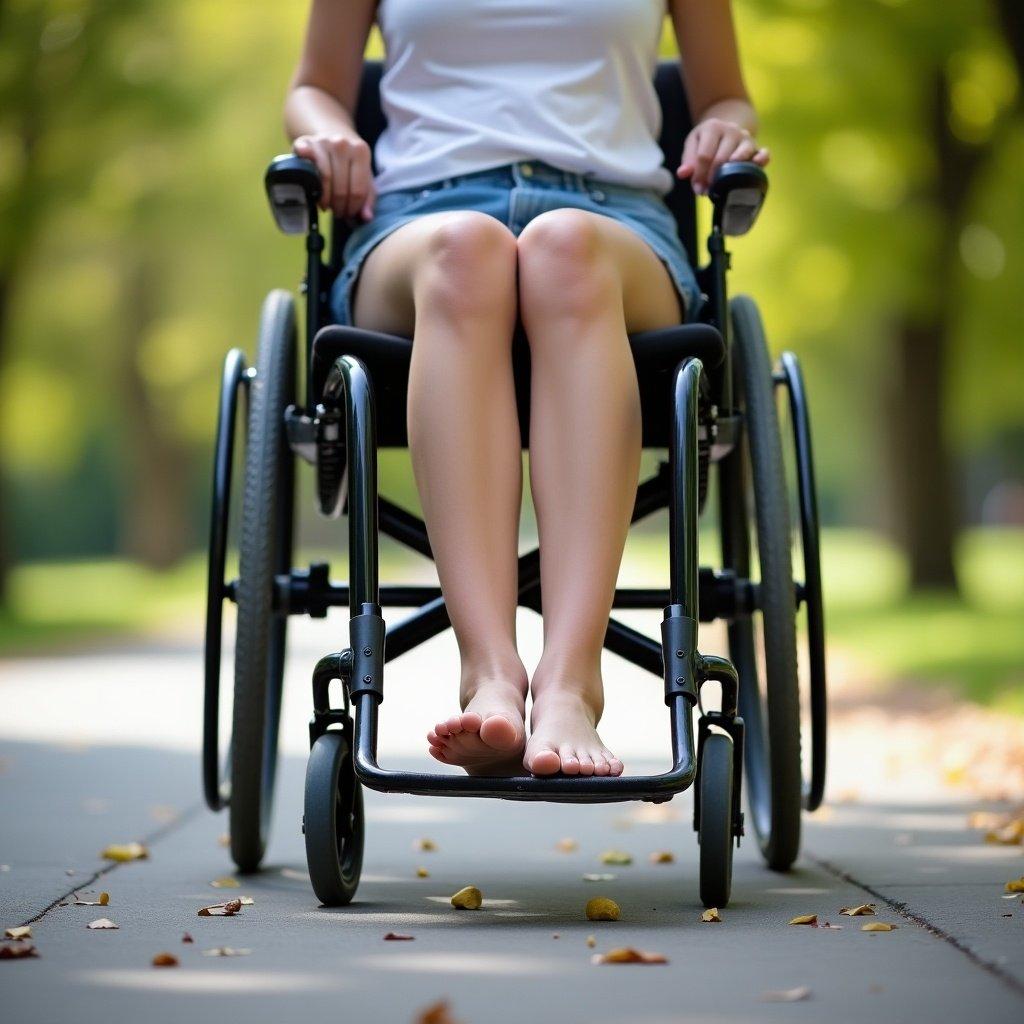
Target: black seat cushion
x,y
655,354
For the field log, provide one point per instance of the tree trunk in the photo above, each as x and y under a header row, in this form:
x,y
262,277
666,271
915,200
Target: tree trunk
x,y
154,526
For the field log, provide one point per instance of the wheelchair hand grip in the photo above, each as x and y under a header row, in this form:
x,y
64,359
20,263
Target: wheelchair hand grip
x,y
737,189
293,188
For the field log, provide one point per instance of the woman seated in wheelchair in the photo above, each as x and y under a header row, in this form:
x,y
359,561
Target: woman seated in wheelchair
x,y
519,180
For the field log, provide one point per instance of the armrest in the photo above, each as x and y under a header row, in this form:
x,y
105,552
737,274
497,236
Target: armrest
x,y
737,189
293,188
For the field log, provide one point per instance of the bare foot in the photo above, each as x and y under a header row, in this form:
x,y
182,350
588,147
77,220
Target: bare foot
x,y
564,736
489,736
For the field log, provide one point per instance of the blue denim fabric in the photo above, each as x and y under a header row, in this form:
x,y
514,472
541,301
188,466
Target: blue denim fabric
x,y
515,194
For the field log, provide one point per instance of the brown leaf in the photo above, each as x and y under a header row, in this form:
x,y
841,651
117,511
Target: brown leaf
x,y
395,937
878,926
226,951
567,846
17,950
125,852
468,898
711,916
102,924
788,995
23,931
616,857
864,910
425,845
663,857
600,908
438,1013
228,909
628,955
225,883
187,938
165,960
833,927
811,919
422,873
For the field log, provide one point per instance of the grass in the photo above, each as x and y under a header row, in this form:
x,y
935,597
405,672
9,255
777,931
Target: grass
x,y
973,643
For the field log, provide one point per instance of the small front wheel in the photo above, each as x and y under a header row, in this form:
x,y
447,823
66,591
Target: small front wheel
x,y
715,824
333,820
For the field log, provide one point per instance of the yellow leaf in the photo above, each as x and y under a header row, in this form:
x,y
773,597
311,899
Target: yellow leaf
x,y
125,852
21,932
600,908
811,919
864,910
469,898
425,845
225,883
711,916
878,926
1016,885
618,857
663,857
1011,834
628,955
422,873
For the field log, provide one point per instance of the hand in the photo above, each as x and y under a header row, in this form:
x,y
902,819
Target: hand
x,y
710,144
346,173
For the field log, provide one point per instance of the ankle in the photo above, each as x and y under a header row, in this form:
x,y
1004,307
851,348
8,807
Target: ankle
x,y
505,678
569,695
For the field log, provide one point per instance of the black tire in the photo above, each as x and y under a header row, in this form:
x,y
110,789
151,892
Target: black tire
x,y
333,821
265,550
715,828
762,645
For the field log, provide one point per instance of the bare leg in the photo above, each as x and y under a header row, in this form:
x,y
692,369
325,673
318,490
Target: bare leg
x,y
449,281
584,281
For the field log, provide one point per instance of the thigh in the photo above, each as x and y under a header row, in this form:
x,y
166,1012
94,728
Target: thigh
x,y
382,294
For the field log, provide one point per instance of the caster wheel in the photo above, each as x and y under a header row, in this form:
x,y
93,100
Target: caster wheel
x,y
333,821
715,826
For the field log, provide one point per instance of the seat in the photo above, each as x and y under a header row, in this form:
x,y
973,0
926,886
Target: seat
x,y
655,354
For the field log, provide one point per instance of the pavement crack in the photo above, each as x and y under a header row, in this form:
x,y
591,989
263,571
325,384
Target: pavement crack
x,y
151,839
904,911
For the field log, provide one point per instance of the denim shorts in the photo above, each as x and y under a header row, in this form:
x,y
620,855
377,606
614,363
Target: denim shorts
x,y
516,193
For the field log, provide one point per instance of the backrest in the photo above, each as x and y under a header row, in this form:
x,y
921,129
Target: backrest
x,y
675,126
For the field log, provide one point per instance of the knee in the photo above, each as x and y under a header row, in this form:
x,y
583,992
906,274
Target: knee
x,y
469,266
565,268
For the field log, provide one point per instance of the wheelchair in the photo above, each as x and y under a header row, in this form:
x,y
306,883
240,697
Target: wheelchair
x,y
711,401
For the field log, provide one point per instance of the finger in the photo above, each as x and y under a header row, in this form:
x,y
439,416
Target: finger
x,y
705,154
762,156
725,147
359,181
323,164
687,163
744,151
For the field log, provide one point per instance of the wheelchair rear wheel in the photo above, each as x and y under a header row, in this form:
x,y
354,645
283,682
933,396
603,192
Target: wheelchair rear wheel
x,y
265,551
762,644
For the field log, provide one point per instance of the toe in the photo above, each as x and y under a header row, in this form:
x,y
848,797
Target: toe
x,y
570,762
498,732
616,766
434,740
586,764
442,730
454,724
601,766
470,721
543,762
437,753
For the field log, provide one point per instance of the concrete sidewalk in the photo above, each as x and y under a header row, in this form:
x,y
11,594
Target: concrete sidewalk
x,y
955,955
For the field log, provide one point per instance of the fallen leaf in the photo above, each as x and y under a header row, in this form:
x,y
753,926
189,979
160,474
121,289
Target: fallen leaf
x,y
102,923
228,909
600,908
438,1013
395,937
628,955
711,916
787,995
663,857
224,839
878,926
187,938
616,857
125,852
422,873
225,883
17,950
598,878
425,845
246,901
1011,834
864,910
226,951
165,960
1015,885
591,941
101,901
811,919
21,932
468,898
555,935
567,846
985,819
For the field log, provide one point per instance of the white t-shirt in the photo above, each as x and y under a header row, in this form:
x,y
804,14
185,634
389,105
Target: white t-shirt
x,y
473,84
